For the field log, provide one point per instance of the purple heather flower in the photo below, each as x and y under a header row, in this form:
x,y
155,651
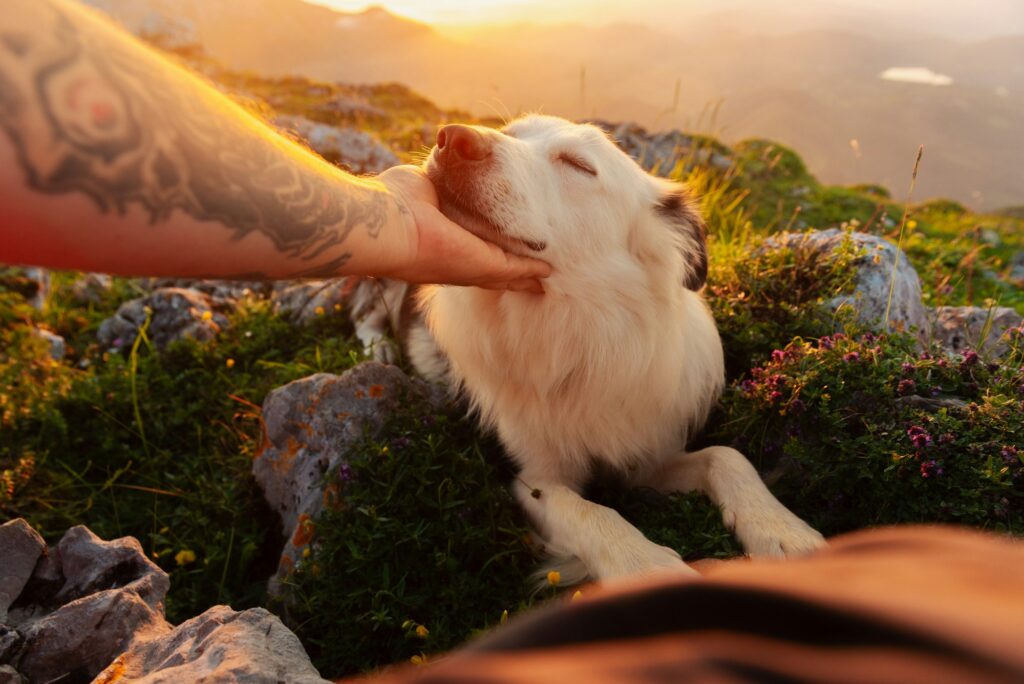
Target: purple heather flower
x,y
930,468
919,437
796,407
776,381
1010,455
345,473
907,367
825,343
401,442
117,342
748,386
947,438
970,358
906,386
778,356
852,357
775,397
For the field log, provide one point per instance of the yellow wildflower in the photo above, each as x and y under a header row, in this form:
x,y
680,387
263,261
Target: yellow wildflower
x,y
554,577
418,660
319,311
184,557
306,552
911,224
207,315
422,631
577,595
230,363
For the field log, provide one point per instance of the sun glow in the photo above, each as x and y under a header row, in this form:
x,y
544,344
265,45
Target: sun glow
x,y
463,12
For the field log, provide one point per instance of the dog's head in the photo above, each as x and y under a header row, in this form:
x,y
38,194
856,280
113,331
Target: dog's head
x,y
563,192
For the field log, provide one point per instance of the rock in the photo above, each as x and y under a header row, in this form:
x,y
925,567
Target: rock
x,y
372,305
661,152
91,287
222,293
86,601
356,150
1017,269
991,237
82,637
353,109
221,646
58,347
22,546
176,313
959,328
8,675
310,427
31,283
10,641
874,275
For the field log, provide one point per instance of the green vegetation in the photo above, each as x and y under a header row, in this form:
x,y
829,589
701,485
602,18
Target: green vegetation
x,y
426,547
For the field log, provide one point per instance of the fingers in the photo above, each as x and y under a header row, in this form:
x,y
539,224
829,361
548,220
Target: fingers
x,y
531,285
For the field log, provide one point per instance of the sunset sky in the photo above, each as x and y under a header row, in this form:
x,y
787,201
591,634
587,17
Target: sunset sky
x,y
967,18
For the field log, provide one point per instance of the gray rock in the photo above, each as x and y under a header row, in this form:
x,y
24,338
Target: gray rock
x,y
82,637
175,313
90,288
8,675
661,152
372,305
10,642
1017,269
222,293
356,150
874,275
84,604
22,546
311,425
31,283
959,328
58,347
221,646
90,565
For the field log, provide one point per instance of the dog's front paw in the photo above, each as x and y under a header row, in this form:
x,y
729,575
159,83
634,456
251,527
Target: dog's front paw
x,y
640,559
773,530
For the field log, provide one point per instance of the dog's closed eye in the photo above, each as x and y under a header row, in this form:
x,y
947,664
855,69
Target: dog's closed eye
x,y
577,163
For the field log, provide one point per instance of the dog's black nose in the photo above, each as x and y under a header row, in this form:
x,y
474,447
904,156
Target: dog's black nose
x,y
463,142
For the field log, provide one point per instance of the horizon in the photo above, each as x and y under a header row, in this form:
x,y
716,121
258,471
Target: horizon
x,y
958,19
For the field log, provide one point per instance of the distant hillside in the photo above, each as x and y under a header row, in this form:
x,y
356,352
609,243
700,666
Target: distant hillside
x,y
815,90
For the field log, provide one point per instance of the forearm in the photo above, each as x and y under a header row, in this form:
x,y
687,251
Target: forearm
x,y
114,159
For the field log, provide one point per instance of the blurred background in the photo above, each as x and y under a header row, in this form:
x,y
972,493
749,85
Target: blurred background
x,y
854,85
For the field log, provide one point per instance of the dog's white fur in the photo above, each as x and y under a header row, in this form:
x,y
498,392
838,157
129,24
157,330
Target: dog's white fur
x,y
617,363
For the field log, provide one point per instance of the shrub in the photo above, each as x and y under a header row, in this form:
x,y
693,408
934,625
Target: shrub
x,y
865,431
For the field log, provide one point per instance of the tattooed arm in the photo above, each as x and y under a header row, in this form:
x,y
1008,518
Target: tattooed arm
x,y
116,160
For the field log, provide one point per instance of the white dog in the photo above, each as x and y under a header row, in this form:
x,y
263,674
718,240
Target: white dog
x,y
614,366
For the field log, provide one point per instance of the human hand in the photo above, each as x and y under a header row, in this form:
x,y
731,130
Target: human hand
x,y
441,251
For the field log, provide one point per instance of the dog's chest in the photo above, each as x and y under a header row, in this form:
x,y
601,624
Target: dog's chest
x,y
601,381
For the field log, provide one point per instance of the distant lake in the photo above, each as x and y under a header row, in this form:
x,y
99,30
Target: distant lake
x,y
921,75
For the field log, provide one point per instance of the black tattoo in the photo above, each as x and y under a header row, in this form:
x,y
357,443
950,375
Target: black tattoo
x,y
102,120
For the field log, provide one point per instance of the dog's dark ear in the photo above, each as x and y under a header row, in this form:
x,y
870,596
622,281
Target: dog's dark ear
x,y
682,214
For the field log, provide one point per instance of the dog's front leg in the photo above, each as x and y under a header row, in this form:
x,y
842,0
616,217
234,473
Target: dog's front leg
x,y
763,525
598,536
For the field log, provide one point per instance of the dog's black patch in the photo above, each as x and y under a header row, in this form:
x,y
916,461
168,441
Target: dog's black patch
x,y
678,208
